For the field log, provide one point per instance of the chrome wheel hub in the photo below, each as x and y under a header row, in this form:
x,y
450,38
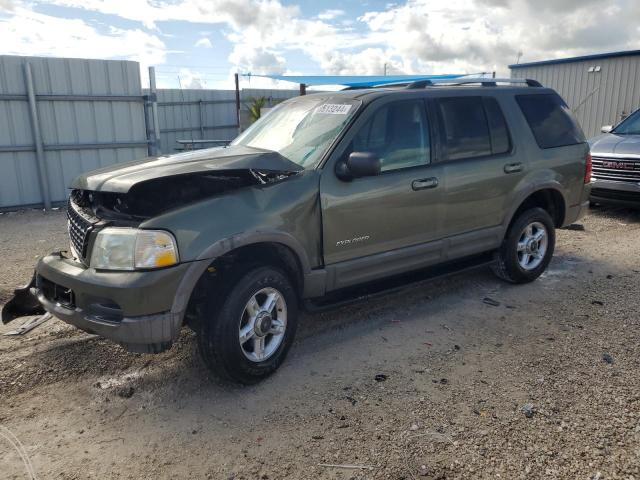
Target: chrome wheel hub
x,y
262,324
532,245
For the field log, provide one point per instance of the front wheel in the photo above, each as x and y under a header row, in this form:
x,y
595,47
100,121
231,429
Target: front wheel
x,y
247,335
527,248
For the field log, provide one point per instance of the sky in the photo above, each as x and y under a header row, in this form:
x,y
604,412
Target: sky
x,y
201,43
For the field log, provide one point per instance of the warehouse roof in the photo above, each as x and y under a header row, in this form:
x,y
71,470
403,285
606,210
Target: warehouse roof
x,y
627,53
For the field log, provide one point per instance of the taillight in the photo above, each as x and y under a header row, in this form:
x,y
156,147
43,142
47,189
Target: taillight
x,y
588,166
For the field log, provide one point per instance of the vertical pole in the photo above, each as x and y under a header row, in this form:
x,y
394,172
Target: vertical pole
x,y
43,176
201,120
153,96
303,89
147,123
235,75
493,74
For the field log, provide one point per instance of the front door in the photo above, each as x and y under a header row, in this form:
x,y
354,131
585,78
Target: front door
x,y
375,226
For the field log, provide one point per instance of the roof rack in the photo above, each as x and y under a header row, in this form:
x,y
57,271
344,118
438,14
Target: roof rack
x,y
485,82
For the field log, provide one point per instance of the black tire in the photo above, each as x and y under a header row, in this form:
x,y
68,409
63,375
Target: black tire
x,y
218,338
507,265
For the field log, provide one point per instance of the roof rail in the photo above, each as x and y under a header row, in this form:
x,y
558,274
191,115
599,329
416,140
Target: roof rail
x,y
484,81
419,84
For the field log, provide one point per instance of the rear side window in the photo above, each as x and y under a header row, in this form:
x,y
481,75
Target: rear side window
x,y
500,141
466,132
550,120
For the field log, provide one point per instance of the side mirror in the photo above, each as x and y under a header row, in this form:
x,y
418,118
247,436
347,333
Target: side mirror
x,y
606,129
359,164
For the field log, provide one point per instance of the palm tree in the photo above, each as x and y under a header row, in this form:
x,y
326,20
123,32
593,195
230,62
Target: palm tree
x,y
254,106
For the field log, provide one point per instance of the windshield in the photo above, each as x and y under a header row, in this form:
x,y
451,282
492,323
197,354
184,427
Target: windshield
x,y
301,130
630,125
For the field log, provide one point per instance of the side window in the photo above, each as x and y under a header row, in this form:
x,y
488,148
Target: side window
x,y
500,140
398,133
466,132
550,120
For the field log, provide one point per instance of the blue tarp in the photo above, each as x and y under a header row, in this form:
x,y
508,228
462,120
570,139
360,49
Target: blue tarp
x,y
353,80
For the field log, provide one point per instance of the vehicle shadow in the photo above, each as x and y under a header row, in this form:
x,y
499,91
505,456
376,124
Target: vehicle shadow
x,y
619,213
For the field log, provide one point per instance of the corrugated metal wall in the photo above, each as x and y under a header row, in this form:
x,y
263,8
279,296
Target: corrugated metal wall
x,y
79,131
597,98
204,114
91,114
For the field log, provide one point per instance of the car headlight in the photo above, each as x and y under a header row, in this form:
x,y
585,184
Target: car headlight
x,y
131,249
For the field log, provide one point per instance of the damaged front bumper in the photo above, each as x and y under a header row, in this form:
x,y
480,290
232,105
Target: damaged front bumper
x,y
135,309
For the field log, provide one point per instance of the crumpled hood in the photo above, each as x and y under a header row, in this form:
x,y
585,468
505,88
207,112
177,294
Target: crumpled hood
x,y
609,143
121,177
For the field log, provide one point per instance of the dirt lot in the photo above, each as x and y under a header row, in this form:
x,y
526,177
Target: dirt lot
x,y
458,373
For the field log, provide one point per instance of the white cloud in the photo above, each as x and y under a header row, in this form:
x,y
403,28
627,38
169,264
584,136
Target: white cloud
x,y
30,33
370,61
204,42
476,35
249,59
417,36
188,79
331,14
6,5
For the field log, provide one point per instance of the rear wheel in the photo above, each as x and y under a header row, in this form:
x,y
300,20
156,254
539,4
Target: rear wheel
x,y
527,248
247,335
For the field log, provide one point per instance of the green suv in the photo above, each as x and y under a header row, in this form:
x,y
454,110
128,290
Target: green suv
x,y
326,192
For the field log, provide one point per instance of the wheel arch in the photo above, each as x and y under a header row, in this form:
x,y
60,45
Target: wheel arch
x,y
226,257
547,197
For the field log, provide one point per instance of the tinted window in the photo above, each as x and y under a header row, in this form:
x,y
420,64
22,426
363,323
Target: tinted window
x,y
550,120
466,132
630,126
398,134
500,141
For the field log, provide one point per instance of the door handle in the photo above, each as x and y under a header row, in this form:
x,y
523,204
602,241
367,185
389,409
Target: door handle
x,y
424,183
512,168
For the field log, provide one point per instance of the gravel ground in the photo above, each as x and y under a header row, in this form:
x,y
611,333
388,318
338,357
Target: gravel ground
x,y
428,383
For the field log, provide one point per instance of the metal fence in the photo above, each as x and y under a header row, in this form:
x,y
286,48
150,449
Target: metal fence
x,y
60,117
205,114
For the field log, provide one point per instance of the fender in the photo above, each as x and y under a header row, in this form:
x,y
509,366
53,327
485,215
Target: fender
x,y
531,188
244,239
314,280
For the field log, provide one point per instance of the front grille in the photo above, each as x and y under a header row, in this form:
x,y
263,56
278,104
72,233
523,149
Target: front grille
x,y
80,225
616,169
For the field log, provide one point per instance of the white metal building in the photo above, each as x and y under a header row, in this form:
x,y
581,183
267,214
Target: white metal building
x,y
601,89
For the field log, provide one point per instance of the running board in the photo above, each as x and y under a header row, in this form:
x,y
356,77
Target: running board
x,y
379,288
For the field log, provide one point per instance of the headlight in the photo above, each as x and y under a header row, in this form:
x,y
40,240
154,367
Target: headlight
x,y
129,249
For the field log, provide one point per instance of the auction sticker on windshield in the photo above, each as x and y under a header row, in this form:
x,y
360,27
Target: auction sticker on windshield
x,y
334,108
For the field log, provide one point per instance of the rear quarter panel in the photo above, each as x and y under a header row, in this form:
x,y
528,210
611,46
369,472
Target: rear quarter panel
x,y
559,168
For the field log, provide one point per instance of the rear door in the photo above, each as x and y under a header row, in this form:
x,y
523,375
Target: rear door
x,y
480,170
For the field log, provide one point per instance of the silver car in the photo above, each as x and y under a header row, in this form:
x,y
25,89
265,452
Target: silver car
x,y
616,163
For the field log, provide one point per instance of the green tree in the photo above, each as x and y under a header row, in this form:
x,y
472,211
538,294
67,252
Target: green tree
x,y
254,106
